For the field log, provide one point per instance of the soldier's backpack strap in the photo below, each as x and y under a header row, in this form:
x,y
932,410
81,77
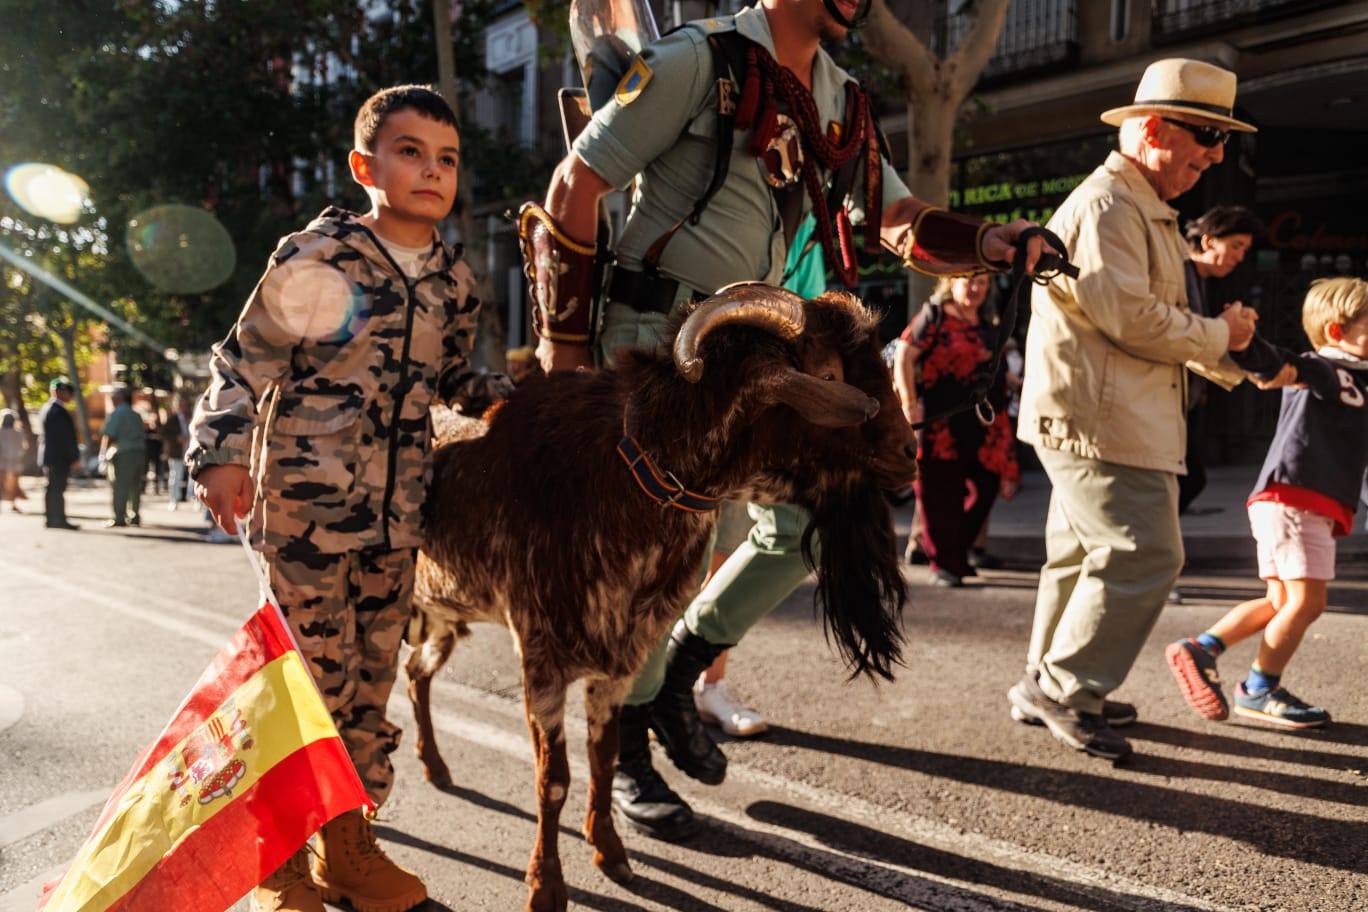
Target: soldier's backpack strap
x,y
729,65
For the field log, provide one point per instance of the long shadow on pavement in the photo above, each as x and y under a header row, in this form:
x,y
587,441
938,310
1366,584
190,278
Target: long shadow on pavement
x,y
1337,843
713,840
1225,744
866,842
577,896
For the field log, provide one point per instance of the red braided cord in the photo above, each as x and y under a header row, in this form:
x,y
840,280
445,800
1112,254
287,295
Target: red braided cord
x,y
857,137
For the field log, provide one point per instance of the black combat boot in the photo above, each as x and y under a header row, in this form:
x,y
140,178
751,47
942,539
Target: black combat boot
x,y
641,799
674,717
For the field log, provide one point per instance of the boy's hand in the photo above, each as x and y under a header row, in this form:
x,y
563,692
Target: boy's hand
x,y
228,493
1286,377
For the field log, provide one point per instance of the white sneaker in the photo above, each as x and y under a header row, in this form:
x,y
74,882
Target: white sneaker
x,y
719,706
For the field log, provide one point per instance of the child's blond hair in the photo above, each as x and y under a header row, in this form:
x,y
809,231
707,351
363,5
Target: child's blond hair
x,y
1341,301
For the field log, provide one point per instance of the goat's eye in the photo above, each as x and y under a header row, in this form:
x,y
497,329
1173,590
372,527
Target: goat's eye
x,y
828,376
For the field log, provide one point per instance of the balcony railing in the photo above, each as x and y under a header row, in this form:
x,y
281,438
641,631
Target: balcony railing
x,y
1173,18
1035,35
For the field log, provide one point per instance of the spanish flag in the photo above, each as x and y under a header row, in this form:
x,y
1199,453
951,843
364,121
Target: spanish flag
x,y
248,769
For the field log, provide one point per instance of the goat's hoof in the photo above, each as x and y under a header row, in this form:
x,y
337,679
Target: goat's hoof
x,y
619,872
549,898
437,774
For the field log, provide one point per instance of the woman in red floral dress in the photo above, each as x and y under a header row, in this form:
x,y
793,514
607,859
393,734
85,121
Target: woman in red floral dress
x,y
963,465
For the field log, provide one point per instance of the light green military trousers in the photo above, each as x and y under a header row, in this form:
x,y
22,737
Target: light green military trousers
x,y
1113,551
758,575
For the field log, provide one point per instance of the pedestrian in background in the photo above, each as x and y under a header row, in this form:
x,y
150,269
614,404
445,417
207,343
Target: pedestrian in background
x,y
1217,242
123,449
963,464
1103,401
58,451
13,446
156,465
176,438
1314,474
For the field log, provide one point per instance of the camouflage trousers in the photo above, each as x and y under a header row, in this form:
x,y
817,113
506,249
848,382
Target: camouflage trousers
x,y
348,612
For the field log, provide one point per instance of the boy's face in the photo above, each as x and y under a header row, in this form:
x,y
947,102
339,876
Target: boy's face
x,y
1352,339
412,168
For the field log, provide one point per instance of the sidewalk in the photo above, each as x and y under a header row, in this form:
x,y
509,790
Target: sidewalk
x,y
1217,541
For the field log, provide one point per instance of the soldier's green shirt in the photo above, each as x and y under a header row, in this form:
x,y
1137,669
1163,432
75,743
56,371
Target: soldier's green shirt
x,y
667,135
324,387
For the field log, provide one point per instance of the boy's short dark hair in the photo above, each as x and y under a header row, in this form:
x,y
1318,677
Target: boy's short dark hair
x,y
385,102
1222,221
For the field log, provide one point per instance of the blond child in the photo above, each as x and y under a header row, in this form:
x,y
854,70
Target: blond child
x,y
1306,495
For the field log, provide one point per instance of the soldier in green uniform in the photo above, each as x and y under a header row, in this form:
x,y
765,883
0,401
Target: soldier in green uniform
x,y
733,129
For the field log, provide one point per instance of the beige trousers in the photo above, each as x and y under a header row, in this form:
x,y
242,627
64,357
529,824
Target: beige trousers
x,y
1113,551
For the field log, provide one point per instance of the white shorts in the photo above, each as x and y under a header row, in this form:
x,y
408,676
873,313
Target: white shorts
x,y
1293,543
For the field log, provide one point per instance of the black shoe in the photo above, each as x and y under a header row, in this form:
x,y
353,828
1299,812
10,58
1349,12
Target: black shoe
x,y
1083,731
944,579
69,526
642,801
982,560
114,524
915,556
674,716
135,521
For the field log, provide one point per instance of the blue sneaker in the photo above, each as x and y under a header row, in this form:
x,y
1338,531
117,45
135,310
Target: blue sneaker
x,y
1279,707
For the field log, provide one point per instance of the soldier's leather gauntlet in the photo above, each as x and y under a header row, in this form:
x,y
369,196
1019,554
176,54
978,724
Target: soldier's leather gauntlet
x,y
942,243
562,278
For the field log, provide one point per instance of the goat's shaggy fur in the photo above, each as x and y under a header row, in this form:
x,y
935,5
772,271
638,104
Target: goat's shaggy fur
x,y
539,525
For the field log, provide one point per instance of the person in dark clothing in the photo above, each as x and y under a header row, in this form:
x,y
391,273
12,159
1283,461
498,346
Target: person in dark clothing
x,y
1217,243
58,451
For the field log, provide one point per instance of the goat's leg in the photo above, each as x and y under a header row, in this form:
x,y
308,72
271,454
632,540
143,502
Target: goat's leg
x,y
603,705
545,704
427,659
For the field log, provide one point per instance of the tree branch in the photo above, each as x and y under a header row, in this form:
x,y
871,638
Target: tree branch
x,y
973,54
895,44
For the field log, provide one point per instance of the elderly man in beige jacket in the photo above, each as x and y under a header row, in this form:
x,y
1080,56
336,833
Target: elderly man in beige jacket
x,y
1107,358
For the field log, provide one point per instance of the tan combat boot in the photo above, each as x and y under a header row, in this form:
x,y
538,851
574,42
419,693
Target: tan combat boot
x,y
289,888
351,866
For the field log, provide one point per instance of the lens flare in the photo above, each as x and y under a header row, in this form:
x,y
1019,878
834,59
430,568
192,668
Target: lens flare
x,y
47,191
181,249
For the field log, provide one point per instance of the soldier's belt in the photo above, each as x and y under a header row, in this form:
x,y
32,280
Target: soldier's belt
x,y
562,278
941,243
644,293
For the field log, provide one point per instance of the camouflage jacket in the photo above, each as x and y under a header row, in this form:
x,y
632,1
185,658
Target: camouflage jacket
x,y
324,385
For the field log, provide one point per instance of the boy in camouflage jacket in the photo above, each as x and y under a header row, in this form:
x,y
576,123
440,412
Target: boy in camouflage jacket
x,y
316,423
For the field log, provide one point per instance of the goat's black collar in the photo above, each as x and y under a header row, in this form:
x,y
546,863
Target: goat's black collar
x,y
662,487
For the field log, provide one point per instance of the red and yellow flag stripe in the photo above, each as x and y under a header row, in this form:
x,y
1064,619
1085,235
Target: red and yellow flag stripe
x,y
249,767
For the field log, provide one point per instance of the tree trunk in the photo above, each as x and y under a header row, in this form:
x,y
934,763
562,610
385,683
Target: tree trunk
x,y
490,337
935,89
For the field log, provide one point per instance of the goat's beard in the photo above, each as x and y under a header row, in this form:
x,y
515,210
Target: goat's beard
x,y
860,588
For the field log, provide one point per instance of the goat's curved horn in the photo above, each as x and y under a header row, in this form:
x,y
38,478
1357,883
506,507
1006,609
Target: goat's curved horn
x,y
766,307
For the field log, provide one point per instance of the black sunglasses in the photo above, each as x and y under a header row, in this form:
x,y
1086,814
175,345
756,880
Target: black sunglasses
x,y
1205,136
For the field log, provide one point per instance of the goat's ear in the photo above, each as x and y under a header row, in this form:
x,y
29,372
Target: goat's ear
x,y
825,403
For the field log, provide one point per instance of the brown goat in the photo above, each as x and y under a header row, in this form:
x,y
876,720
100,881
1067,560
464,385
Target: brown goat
x,y
540,525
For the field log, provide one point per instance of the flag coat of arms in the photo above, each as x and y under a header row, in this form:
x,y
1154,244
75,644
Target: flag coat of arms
x,y
249,767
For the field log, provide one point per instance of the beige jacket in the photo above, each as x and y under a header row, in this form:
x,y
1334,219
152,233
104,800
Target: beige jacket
x,y
1106,353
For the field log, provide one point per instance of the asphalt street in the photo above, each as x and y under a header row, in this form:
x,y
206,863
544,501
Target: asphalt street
x,y
917,794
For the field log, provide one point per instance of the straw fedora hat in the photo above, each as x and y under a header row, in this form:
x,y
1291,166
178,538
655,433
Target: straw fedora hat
x,y
1180,86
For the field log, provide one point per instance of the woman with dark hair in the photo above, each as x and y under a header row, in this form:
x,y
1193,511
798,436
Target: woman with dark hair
x,y
963,464
1217,243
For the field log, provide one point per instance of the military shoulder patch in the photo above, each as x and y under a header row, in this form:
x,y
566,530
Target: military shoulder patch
x,y
633,82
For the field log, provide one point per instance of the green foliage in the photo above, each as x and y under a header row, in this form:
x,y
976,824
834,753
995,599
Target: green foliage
x,y
242,108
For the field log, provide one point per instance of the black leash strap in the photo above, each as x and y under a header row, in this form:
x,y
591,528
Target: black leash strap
x,y
1048,266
